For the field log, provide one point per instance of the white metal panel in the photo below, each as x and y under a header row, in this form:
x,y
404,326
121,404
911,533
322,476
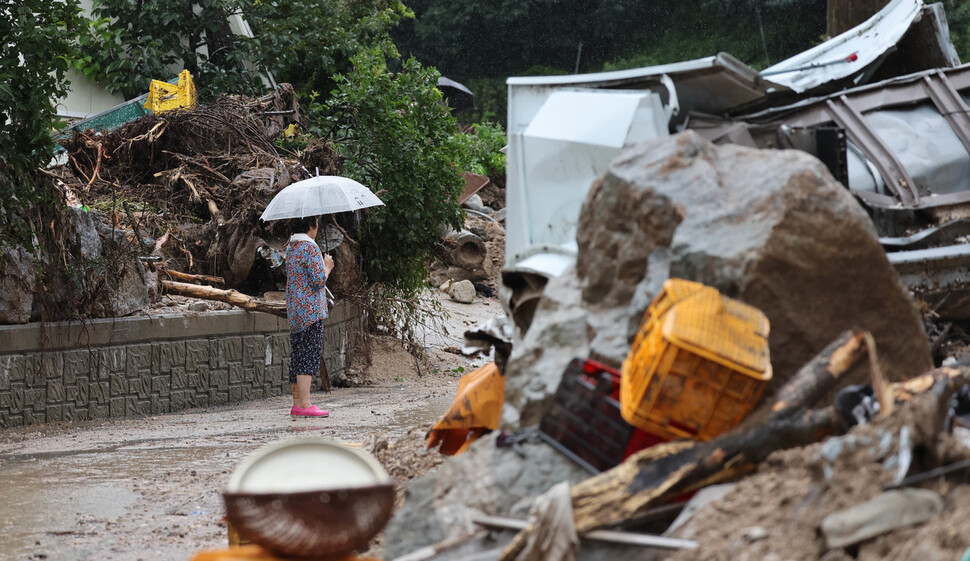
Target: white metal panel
x,y
868,41
599,79
711,85
548,264
569,143
600,119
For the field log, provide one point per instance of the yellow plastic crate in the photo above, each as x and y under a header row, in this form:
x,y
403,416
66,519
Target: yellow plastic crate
x,y
163,96
698,365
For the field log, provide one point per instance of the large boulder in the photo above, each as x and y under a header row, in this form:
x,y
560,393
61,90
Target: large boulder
x,y
89,271
769,227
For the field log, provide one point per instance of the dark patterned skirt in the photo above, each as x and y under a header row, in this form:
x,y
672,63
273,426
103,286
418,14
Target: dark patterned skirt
x,y
306,350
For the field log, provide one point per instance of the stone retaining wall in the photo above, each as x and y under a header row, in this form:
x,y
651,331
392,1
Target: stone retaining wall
x,y
123,367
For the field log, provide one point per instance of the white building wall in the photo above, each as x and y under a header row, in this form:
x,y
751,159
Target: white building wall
x,y
85,98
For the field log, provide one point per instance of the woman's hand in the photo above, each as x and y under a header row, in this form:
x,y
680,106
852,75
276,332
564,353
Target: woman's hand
x,y
327,264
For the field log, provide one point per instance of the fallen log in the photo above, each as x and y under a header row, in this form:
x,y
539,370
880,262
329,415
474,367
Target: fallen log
x,y
230,296
662,472
177,275
653,476
821,373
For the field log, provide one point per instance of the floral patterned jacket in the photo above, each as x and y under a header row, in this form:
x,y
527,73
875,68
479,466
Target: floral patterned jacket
x,y
306,300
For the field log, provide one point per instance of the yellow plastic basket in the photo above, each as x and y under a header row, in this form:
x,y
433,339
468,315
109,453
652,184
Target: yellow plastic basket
x,y
698,365
163,96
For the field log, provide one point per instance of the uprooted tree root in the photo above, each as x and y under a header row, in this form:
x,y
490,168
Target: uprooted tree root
x,y
192,183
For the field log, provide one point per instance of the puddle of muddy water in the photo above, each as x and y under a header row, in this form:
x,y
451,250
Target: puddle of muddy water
x,y
421,416
42,499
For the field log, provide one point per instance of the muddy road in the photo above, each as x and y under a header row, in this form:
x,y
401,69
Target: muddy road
x,y
149,488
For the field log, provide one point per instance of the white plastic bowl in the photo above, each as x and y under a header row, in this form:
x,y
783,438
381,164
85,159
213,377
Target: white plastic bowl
x,y
306,464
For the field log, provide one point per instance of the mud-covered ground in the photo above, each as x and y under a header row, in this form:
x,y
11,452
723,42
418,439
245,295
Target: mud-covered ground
x,y
149,488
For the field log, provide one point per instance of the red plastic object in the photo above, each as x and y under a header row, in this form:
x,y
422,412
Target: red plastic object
x,y
585,418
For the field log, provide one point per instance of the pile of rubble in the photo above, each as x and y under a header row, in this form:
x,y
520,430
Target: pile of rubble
x,y
774,230
829,192
175,197
178,191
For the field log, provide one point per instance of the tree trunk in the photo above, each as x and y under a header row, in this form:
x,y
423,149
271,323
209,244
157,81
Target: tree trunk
x,y
233,297
664,471
843,15
193,278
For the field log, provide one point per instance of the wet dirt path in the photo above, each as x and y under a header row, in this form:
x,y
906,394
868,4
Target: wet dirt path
x,y
150,488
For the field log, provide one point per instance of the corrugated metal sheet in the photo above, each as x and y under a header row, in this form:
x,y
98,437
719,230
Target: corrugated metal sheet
x,y
833,60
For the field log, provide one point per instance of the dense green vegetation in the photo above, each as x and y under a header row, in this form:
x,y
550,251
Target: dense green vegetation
x,y
385,115
34,57
381,109
481,43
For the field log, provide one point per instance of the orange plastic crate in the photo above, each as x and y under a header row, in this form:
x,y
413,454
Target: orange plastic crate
x,y
698,365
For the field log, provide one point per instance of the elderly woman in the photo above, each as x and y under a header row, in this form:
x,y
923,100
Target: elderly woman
x,y
306,307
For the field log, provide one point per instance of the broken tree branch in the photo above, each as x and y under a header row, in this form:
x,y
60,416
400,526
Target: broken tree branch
x,y
193,278
662,472
230,296
880,385
642,481
823,372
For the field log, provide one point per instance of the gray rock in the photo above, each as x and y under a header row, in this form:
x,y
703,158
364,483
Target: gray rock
x,y
198,306
769,227
558,334
754,533
485,479
17,285
887,512
129,292
463,291
84,233
102,276
475,203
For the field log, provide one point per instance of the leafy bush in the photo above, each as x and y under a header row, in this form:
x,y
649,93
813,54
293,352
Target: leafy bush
x,y
37,47
491,102
482,149
401,141
304,42
132,42
307,42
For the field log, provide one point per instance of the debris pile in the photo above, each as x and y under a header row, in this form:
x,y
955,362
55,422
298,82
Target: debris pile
x,y
191,184
791,242
474,256
177,193
770,228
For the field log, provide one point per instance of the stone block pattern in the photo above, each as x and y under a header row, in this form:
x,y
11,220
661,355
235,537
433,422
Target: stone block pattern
x,y
156,376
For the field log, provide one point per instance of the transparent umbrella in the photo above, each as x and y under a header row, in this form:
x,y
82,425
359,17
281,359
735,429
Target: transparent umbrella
x,y
323,194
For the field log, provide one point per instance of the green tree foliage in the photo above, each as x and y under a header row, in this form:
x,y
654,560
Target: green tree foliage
x,y
498,38
34,57
303,42
306,42
481,149
489,40
132,42
400,140
958,16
